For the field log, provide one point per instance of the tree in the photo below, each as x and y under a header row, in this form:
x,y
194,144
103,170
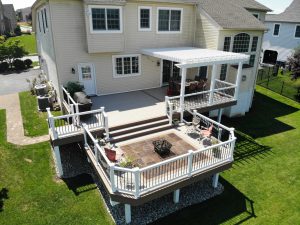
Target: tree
x,y
11,50
294,63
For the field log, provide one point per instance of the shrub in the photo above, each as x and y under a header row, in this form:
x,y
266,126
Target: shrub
x,y
18,31
4,66
19,64
73,87
2,39
28,63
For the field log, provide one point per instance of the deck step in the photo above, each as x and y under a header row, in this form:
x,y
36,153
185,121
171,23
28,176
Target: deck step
x,y
138,127
140,133
120,127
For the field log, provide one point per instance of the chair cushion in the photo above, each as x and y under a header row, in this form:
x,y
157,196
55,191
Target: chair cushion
x,y
111,154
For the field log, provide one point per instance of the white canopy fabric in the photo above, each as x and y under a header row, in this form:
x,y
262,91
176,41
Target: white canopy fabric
x,y
188,57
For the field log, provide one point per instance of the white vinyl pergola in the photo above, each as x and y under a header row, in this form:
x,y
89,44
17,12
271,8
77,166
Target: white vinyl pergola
x,y
190,57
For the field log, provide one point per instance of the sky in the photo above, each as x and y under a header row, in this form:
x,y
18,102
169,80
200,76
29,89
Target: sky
x,y
276,5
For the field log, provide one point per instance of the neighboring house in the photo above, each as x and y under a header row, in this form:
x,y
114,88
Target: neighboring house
x,y
283,34
24,14
8,21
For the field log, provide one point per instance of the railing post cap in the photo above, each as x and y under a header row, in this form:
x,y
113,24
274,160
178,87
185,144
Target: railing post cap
x,y
190,151
84,124
96,141
136,169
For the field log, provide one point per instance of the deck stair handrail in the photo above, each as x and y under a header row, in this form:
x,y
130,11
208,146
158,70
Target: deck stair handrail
x,y
67,125
69,103
169,109
137,181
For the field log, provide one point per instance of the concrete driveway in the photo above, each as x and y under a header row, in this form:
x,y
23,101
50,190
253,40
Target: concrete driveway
x,y
16,82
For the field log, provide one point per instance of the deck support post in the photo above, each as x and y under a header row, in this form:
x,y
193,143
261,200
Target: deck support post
x,y
238,80
182,93
113,203
127,213
220,111
176,195
212,84
215,180
58,161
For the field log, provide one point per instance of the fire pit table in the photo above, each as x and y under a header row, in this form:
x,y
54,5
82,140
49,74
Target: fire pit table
x,y
162,147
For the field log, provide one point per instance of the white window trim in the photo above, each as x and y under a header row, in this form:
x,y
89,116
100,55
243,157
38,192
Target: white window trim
x,y
139,18
115,75
92,31
297,25
257,14
274,29
157,18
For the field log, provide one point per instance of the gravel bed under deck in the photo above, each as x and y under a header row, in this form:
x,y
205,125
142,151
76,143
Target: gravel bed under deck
x,y
74,163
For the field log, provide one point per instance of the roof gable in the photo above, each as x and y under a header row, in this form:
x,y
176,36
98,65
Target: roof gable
x,y
228,14
291,14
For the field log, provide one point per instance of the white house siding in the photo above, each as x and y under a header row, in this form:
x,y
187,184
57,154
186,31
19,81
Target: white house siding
x,y
71,45
284,43
207,32
246,89
45,47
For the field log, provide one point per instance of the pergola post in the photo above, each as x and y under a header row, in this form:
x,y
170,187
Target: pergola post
x,y
182,93
238,80
212,83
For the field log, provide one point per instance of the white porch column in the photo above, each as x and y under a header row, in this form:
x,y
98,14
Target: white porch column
x,y
182,93
215,180
238,80
58,161
176,194
212,83
127,213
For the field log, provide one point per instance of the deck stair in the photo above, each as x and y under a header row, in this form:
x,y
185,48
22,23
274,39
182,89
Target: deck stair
x,y
138,129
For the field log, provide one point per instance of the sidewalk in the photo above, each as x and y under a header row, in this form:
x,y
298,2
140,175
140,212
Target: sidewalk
x,y
14,122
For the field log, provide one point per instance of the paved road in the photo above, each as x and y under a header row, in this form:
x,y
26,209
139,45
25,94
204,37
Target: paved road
x,y
16,82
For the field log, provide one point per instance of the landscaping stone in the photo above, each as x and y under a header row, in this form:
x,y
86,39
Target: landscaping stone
x,y
75,162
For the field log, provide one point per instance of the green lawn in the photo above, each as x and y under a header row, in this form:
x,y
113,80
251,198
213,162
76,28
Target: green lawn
x,y
34,195
263,187
28,41
34,122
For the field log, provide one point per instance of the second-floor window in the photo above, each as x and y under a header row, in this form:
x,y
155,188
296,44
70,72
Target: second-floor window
x,y
169,20
297,31
276,29
106,19
144,18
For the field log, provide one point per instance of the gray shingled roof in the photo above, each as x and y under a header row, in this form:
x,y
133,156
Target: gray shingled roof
x,y
251,4
291,14
231,14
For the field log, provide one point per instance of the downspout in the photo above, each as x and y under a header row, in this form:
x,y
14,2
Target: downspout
x,y
256,72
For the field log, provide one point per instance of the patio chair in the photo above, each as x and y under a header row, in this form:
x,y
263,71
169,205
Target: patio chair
x,y
206,132
193,128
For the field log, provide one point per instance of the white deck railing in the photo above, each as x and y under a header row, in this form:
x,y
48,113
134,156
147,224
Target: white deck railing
x,y
137,181
70,105
223,92
70,124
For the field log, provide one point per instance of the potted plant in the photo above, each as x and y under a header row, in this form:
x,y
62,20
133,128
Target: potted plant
x,y
216,151
127,162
